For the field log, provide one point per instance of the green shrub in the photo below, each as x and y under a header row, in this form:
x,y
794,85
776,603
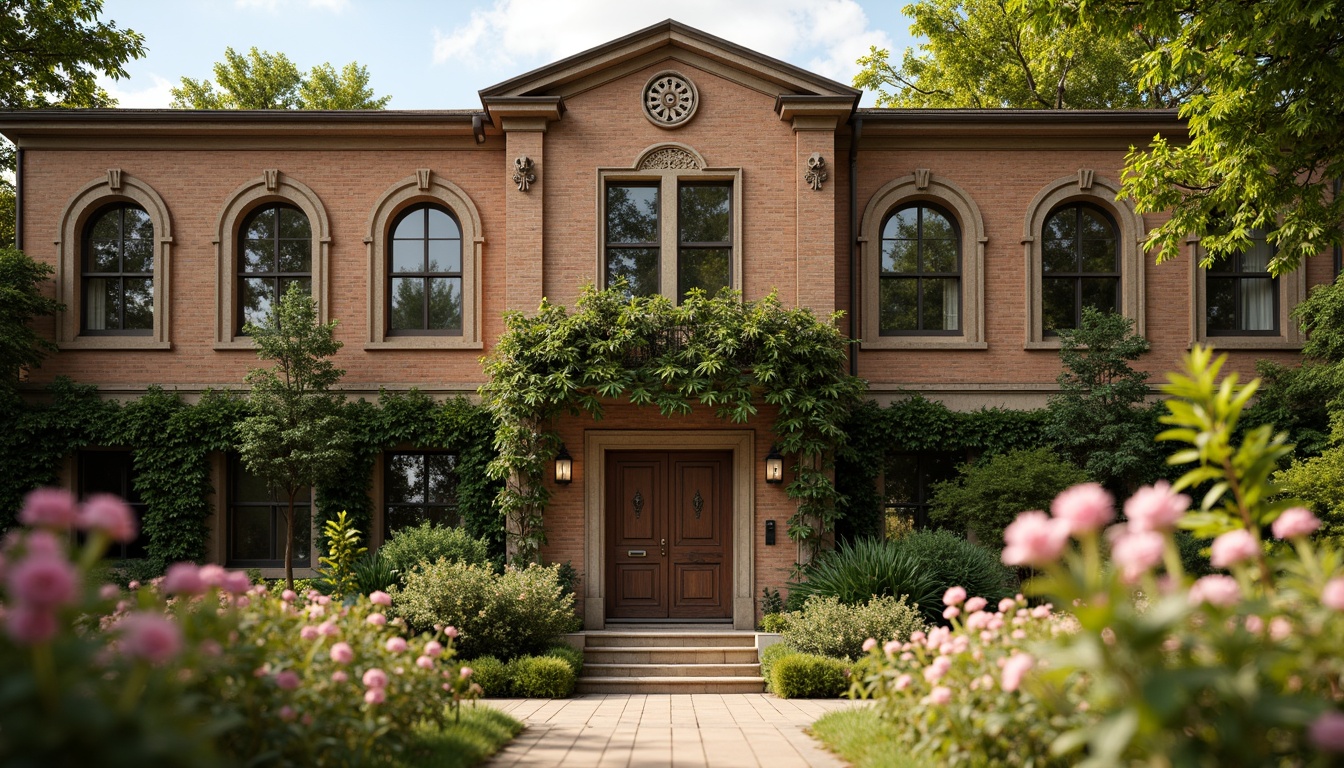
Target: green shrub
x,y
542,677
492,675
569,577
772,654
953,561
827,627
123,572
409,548
511,614
772,622
859,569
806,676
771,602
571,656
1193,560
372,572
987,496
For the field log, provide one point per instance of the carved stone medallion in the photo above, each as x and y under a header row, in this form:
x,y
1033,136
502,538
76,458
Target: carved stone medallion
x,y
670,99
669,158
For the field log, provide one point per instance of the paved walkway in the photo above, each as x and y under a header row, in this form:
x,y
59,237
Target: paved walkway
x,y
644,730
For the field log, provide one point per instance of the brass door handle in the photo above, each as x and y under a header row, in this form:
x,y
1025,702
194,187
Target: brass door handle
x,y
662,548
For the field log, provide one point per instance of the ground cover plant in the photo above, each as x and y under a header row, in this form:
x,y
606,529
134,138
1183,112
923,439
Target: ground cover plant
x,y
205,668
1147,666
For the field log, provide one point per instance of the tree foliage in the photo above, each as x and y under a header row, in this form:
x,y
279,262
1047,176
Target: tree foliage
x,y
264,80
294,436
1100,418
21,301
986,497
987,54
1263,149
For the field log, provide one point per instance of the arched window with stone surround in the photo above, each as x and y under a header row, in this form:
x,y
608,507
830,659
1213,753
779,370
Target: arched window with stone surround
x,y
920,274
425,274
117,282
1080,265
275,251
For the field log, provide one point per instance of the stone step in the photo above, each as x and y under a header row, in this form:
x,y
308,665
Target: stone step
x,y
621,639
670,655
671,670
666,684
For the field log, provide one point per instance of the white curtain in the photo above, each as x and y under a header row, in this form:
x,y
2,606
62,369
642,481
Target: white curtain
x,y
95,305
951,305
1257,294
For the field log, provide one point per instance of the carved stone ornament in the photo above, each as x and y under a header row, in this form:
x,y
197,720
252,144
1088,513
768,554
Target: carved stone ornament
x,y
523,174
921,178
669,159
114,179
422,179
670,99
272,177
816,171
1085,177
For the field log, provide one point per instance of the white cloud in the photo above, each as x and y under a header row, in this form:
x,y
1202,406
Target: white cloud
x,y
156,96
823,35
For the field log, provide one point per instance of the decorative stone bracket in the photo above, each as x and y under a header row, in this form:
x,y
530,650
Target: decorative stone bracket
x,y
524,173
816,171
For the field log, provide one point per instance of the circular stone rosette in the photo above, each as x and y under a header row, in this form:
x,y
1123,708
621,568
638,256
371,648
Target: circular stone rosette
x,y
670,99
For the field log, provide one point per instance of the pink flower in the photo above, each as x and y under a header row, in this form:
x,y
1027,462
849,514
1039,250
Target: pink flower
x,y
1295,522
212,574
891,647
43,581
869,644
1332,596
424,662
940,695
433,648
1155,507
287,713
1137,552
342,653
287,680
150,636
109,592
183,579
1234,547
309,632
108,514
1327,732
1014,669
1006,605
395,644
954,596
1034,539
1280,629
235,582
1085,508
902,682
375,678
375,696
48,508
976,604
379,597
450,631
29,624
465,673
339,676
376,619
951,612
328,628
1221,591
289,595
40,543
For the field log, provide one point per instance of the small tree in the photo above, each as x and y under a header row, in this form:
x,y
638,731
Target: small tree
x,y
295,437
21,300
1100,419
986,497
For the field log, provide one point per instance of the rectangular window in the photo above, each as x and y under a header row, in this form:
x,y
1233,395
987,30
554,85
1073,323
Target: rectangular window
x,y
114,472
633,237
1242,298
646,221
258,522
908,480
705,237
419,487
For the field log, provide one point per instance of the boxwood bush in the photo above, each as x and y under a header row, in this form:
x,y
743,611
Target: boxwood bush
x,y
492,675
808,676
569,654
542,677
409,548
827,627
772,654
518,612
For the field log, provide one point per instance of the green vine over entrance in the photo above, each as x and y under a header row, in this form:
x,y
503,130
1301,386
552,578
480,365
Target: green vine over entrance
x,y
719,352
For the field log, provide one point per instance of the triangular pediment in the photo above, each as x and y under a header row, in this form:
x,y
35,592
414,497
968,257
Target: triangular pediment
x,y
668,40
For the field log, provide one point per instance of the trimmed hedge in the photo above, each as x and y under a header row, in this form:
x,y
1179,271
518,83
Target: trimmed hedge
x,y
569,654
807,676
542,677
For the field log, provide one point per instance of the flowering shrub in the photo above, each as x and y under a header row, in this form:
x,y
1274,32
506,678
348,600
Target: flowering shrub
x,y
521,611
200,665
827,627
1228,669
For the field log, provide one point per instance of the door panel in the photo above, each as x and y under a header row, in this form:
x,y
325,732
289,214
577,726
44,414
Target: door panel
x,y
669,515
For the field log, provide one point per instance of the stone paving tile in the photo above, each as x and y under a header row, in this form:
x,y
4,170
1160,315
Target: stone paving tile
x,y
701,730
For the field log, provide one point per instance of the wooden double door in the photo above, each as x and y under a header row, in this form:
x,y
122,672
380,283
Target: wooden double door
x,y
669,520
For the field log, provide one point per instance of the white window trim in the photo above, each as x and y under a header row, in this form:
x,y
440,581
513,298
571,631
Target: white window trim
x,y
1292,291
271,187
116,187
668,179
1085,187
924,188
424,187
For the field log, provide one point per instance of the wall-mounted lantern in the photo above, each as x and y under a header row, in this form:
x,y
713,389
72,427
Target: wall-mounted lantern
x,y
774,466
564,466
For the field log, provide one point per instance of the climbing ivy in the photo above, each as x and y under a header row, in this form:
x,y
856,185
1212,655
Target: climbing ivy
x,y
722,353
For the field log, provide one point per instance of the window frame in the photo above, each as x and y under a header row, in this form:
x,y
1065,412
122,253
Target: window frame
x,y
923,480
275,276
702,245
423,186
387,484
919,275
269,188
276,506
668,165
86,249
1079,275
1238,278
424,276
923,188
1291,290
117,187
1086,186
118,550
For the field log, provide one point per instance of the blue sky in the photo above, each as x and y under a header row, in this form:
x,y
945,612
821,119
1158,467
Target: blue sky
x,y
437,55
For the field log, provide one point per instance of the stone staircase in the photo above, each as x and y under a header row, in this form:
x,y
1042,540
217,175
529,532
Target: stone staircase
x,y
681,660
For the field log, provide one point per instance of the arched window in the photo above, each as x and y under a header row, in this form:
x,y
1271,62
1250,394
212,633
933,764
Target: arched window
x,y
1080,265
425,272
920,273
275,250
118,272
